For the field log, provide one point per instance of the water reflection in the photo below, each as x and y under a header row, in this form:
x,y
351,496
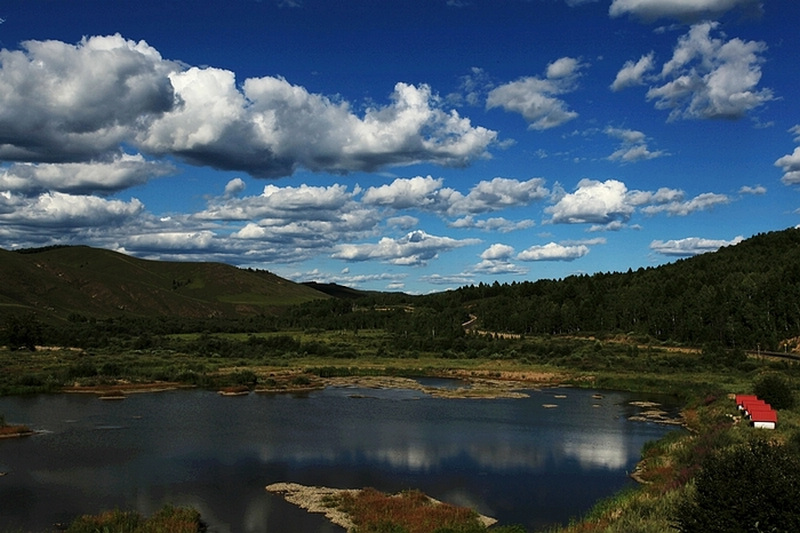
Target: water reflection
x,y
510,458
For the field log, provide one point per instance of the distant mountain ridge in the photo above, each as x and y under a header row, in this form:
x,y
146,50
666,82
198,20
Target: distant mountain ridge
x,y
59,282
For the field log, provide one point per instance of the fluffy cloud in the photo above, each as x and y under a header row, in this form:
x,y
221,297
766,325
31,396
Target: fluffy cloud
x,y
62,102
755,190
634,146
403,193
701,202
609,204
553,252
393,281
690,246
498,251
795,130
633,73
283,203
80,103
685,10
106,177
429,194
499,193
455,280
64,211
496,261
402,222
791,167
593,202
273,127
498,224
234,187
415,248
536,98
171,241
710,78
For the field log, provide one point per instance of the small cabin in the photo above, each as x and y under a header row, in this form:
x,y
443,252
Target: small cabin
x,y
759,412
766,419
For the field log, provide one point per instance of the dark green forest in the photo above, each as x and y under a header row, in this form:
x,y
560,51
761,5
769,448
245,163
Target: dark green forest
x,y
740,296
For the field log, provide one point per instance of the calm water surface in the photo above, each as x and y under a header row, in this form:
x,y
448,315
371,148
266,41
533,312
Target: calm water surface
x,y
511,459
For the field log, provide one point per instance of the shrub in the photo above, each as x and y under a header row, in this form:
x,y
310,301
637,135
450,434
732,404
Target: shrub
x,y
168,519
301,381
747,488
408,512
775,390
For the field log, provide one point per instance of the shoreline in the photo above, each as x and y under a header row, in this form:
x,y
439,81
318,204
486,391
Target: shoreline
x,y
478,384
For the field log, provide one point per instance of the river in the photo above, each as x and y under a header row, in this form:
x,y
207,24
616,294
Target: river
x,y
535,461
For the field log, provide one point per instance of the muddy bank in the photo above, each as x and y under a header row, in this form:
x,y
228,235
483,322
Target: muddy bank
x,y
116,390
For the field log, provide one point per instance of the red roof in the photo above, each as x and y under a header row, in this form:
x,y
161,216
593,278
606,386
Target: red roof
x,y
740,398
750,404
764,416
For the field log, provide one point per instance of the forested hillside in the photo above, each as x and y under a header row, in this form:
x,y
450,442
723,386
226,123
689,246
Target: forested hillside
x,y
740,296
744,296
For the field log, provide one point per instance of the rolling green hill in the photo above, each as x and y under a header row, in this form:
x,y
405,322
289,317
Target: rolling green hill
x,y
60,282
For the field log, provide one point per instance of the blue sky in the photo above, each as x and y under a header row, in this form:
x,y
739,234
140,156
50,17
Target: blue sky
x,y
413,145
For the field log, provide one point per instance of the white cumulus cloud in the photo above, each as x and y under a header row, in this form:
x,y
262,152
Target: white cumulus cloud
x,y
684,10
593,202
553,252
710,77
536,99
496,194
633,73
419,192
634,146
701,202
690,246
609,204
429,194
64,103
790,164
119,173
415,248
61,210
498,251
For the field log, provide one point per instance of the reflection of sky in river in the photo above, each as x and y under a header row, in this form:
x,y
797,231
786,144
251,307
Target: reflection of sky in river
x,y
508,435
510,458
